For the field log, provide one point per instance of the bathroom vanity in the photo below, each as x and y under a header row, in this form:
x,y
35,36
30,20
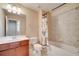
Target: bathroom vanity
x,y
13,40
19,47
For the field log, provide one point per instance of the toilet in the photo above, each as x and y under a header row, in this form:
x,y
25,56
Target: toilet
x,y
35,45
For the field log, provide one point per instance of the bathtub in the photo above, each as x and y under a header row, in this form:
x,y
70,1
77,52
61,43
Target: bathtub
x,y
66,47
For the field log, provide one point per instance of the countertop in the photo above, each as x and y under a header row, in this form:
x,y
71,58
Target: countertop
x,y
9,39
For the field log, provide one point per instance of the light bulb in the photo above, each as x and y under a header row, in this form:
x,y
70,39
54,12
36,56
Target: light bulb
x,y
14,10
9,10
19,11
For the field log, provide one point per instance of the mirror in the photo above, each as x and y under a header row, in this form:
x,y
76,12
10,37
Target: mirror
x,y
11,28
13,24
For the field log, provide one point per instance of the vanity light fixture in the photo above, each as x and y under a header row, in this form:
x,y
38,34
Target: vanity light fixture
x,y
13,9
9,7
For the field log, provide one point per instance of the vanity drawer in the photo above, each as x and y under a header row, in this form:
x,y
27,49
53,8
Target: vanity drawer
x,y
4,46
25,42
14,44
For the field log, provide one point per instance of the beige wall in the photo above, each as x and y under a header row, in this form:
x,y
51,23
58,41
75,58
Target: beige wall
x,y
64,24
31,20
1,23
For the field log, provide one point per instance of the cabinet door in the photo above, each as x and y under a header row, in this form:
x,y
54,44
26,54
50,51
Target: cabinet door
x,y
10,52
22,51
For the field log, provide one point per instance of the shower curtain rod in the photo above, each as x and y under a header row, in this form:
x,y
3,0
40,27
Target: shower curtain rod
x,y
59,6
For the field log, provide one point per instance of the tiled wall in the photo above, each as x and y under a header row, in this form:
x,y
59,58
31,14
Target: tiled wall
x,y
65,21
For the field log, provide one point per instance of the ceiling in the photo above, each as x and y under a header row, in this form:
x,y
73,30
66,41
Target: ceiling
x,y
43,6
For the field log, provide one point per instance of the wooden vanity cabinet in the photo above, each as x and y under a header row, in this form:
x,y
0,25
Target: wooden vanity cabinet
x,y
20,48
24,49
